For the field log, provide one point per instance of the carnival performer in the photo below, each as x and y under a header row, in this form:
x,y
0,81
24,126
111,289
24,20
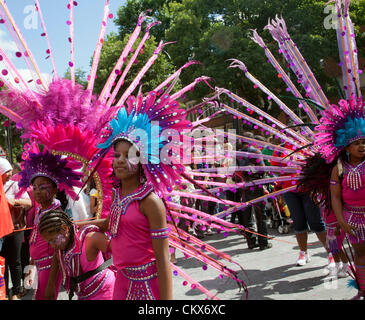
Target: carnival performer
x,y
46,173
345,135
79,255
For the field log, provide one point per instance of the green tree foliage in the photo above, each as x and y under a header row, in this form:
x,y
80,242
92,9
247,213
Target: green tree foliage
x,y
217,30
80,76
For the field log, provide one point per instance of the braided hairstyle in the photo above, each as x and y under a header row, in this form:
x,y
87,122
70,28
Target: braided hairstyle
x,y
53,220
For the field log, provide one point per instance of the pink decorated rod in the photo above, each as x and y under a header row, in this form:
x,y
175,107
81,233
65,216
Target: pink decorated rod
x,y
123,57
175,75
99,46
72,40
191,86
141,73
47,37
254,142
193,282
347,50
130,63
297,63
307,109
239,64
18,35
264,126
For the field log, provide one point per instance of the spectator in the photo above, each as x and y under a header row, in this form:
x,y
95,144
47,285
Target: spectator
x,y
306,216
12,245
245,216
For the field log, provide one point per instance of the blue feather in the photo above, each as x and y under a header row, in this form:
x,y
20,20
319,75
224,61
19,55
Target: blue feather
x,y
352,284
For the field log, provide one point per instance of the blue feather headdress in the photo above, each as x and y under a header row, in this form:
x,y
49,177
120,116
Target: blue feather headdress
x,y
151,123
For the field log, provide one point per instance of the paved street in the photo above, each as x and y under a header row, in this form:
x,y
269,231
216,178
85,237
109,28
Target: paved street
x,y
270,274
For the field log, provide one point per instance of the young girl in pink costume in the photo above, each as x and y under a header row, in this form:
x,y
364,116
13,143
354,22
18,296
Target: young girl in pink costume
x,y
348,202
44,191
46,173
341,138
137,224
79,255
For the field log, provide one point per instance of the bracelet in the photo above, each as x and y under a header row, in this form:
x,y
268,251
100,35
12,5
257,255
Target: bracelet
x,y
333,182
160,233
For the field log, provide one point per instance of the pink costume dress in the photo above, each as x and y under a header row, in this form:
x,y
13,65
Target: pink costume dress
x,y
41,253
132,250
353,197
74,263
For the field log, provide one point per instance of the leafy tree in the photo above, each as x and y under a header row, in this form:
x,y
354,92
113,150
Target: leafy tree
x,y
80,76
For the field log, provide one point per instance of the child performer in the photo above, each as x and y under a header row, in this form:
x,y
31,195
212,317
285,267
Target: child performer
x,y
137,221
341,136
348,202
79,255
46,173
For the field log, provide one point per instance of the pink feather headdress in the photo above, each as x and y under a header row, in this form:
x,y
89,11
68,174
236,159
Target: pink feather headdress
x,y
71,141
340,125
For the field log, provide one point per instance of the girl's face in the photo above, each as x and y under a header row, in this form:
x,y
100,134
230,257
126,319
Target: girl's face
x,y
126,161
6,176
43,190
57,240
357,149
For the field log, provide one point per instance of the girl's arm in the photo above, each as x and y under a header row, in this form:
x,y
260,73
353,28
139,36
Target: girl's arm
x,y
50,292
26,203
93,205
103,224
155,211
336,202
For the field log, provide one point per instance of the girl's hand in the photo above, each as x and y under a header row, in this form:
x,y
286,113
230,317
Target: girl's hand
x,y
338,230
348,228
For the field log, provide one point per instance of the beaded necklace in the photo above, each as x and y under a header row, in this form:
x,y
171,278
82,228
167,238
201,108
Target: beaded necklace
x,y
40,213
120,205
354,173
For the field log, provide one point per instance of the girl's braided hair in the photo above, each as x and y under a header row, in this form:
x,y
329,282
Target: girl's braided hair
x,y
53,220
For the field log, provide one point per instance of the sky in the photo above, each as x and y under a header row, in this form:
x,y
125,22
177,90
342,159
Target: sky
x,y
88,16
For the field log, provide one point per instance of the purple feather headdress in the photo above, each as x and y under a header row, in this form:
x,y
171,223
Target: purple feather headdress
x,y
62,171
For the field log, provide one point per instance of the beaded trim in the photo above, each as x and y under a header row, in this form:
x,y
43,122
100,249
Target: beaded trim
x,y
357,220
354,210
139,281
354,174
160,233
33,237
120,205
99,285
